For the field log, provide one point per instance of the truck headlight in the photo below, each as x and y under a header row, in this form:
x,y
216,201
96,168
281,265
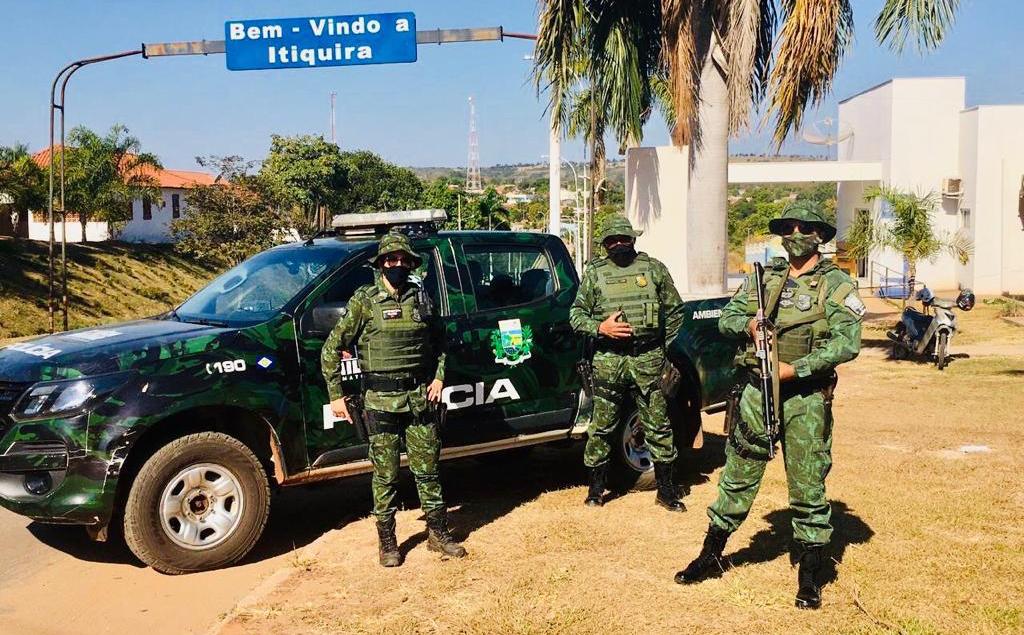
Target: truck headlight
x,y
56,398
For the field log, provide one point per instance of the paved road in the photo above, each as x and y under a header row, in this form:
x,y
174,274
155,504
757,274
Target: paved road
x,y
54,580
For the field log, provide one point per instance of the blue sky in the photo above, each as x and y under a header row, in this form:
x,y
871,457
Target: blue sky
x,y
413,114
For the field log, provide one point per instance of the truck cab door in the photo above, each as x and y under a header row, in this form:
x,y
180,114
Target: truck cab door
x,y
330,441
511,356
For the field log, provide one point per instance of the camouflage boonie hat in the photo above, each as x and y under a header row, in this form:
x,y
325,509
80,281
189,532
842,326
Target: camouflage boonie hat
x,y
806,212
394,242
618,226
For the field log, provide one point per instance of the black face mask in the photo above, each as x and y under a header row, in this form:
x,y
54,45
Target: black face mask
x,y
397,276
621,254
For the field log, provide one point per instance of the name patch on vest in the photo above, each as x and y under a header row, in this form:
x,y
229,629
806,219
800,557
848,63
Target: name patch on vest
x,y
392,314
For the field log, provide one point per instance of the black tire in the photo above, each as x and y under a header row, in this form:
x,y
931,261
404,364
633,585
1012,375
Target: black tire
x,y
941,349
631,466
149,534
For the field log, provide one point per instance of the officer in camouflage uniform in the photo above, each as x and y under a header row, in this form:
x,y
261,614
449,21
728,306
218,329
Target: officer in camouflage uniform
x,y
817,314
629,304
399,345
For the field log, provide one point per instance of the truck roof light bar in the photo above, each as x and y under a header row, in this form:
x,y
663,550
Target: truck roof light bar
x,y
376,223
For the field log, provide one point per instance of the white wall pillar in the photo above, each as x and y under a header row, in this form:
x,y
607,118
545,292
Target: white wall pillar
x,y
555,179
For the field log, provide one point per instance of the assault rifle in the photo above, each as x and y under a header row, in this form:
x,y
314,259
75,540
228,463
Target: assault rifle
x,y
767,359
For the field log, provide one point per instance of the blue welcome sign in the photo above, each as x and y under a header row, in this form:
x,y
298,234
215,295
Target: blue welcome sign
x,y
345,40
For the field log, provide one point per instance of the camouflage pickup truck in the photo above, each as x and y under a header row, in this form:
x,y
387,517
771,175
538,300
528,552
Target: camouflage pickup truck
x,y
177,427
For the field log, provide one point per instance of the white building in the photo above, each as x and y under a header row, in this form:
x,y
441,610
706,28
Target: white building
x,y
150,222
912,134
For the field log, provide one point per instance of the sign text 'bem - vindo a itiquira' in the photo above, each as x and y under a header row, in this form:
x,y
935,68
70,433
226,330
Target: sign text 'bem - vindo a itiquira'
x,y
347,40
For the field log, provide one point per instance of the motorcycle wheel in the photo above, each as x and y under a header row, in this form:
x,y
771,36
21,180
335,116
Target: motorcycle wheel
x,y
941,344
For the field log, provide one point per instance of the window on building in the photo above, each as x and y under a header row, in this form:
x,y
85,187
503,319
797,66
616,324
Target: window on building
x,y
175,206
147,209
507,275
965,218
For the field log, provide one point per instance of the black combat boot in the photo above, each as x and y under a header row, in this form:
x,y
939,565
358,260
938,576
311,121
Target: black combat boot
x,y
668,495
388,549
598,477
438,536
710,563
808,594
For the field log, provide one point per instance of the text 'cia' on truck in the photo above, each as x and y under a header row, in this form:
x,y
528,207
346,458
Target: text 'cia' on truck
x,y
178,426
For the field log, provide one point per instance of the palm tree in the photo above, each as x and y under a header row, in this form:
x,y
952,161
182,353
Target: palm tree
x,y
909,232
105,174
721,59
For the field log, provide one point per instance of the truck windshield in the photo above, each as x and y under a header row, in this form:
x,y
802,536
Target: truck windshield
x,y
256,290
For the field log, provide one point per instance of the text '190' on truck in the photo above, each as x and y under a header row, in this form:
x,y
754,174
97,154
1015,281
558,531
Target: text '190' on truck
x,y
179,426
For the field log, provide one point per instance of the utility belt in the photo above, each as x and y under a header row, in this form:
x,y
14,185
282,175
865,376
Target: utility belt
x,y
631,347
385,383
380,421
802,386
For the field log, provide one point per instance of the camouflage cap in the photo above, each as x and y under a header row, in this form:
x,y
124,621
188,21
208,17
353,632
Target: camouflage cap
x,y
809,212
618,225
393,242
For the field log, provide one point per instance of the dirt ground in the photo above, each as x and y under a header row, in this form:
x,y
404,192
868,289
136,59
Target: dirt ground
x,y
928,509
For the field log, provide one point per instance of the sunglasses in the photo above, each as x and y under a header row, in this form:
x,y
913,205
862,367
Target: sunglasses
x,y
617,240
788,227
395,260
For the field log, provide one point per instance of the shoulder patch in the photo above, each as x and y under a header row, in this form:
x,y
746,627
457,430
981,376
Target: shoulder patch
x,y
855,304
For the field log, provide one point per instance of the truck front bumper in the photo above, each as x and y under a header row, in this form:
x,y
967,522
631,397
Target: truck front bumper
x,y
47,476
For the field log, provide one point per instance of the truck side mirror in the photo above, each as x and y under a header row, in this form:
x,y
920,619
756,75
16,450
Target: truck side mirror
x,y
322,319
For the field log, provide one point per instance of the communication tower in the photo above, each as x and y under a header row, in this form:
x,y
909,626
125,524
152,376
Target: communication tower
x,y
473,180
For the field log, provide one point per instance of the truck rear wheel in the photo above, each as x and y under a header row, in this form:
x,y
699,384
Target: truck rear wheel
x,y
198,503
631,464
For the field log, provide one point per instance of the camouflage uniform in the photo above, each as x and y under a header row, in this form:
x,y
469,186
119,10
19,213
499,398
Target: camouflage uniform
x,y
818,326
400,350
363,323
644,291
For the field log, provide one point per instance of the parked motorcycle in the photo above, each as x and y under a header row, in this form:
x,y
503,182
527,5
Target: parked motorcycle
x,y
930,330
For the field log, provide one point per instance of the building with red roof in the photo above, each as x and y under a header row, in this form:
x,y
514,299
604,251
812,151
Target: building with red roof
x,y
150,221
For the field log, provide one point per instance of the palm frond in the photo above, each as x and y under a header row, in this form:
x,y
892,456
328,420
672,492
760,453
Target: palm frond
x,y
926,22
747,43
815,35
557,54
683,55
625,55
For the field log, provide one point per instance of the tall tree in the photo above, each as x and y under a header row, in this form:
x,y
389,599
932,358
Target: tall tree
x,y
232,219
374,185
308,176
23,181
718,58
104,174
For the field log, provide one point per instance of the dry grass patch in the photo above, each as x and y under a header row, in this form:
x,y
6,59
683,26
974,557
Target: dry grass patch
x,y
928,537
107,282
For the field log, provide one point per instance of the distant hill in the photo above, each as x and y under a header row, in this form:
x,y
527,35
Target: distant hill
x,y
526,173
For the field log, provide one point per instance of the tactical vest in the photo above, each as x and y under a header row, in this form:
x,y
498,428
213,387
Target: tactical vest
x,y
397,337
798,310
631,289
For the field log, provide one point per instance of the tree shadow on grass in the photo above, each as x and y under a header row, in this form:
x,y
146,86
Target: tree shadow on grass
x,y
768,544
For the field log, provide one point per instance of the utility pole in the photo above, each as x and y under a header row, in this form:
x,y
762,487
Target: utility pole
x,y
334,138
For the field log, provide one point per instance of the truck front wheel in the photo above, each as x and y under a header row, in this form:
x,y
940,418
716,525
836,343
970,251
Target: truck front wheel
x,y
198,503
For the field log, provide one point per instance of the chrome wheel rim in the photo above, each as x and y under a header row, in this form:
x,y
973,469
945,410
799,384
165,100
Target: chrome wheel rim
x,y
201,506
634,448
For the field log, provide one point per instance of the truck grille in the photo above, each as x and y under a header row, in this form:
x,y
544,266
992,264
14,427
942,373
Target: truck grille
x,y
9,393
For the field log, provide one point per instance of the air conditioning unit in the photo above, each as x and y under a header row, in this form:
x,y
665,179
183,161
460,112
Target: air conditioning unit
x,y
952,188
